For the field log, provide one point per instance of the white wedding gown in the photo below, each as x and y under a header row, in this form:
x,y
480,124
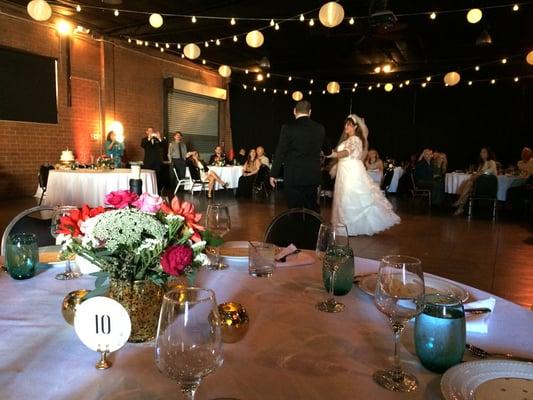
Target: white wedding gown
x,y
357,201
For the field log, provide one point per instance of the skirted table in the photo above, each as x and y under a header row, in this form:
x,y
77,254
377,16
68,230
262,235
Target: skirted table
x,y
454,181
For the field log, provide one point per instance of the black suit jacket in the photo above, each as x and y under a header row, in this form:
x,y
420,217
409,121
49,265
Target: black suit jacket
x,y
299,146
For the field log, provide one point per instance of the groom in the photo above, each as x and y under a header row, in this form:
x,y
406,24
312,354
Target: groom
x,y
299,146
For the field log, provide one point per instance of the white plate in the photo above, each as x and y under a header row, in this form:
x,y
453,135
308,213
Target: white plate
x,y
433,284
461,381
235,251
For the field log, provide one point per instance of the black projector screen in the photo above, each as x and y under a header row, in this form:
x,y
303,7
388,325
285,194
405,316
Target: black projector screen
x,y
27,87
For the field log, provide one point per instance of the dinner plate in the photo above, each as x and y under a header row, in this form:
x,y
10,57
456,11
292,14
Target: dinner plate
x,y
488,380
234,251
433,284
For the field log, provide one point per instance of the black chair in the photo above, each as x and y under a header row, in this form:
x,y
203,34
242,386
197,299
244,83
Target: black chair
x,y
262,182
299,226
485,190
44,171
419,192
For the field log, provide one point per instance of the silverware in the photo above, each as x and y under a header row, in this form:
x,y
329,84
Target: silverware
x,y
475,311
284,258
479,352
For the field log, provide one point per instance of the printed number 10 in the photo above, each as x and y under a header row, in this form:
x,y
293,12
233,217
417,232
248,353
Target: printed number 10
x,y
103,324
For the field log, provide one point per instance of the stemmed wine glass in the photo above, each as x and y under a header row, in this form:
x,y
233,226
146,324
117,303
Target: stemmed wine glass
x,y
63,211
333,247
188,345
399,295
218,222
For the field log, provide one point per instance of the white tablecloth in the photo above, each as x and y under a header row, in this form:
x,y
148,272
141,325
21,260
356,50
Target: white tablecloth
x,y
375,175
229,174
454,180
85,186
398,173
291,351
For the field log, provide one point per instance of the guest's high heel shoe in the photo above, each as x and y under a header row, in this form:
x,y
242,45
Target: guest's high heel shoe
x,y
209,195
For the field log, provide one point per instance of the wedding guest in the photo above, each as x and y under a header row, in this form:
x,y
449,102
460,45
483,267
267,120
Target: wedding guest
x,y
177,154
241,157
486,165
154,145
218,157
440,165
261,156
114,149
525,165
373,162
518,195
423,175
249,172
200,172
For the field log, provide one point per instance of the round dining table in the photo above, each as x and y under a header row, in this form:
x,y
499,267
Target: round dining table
x,y
454,180
229,174
89,186
291,350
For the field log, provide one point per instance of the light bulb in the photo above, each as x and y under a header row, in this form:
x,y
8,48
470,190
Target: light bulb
x,y
370,88
504,60
275,91
162,49
424,84
353,89
203,62
378,85
272,23
377,70
233,22
516,79
386,68
302,19
235,38
244,86
516,7
276,27
428,78
129,40
493,81
355,84
400,85
433,15
246,71
217,42
285,92
469,83
311,81
193,19
167,45
206,44
78,8
116,13
407,82
351,21
260,77
477,68
268,74
311,22
290,78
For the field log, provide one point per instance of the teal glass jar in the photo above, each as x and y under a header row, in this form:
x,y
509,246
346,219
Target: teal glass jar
x,y
22,255
343,277
440,332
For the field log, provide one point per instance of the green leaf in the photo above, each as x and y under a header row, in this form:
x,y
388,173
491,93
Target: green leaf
x,y
99,291
211,239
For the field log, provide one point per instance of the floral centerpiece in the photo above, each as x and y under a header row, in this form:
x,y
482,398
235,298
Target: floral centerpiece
x,y
139,244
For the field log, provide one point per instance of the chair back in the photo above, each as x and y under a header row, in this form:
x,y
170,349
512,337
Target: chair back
x,y
299,226
194,172
413,182
486,186
44,171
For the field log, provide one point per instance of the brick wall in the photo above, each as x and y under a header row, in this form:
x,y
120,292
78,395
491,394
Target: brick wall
x,y
109,82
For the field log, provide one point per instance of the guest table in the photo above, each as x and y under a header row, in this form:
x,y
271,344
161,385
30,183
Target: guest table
x,y
398,173
291,351
454,180
88,186
229,174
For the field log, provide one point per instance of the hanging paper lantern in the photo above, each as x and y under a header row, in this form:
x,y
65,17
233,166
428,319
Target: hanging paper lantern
x,y
529,58
297,96
388,87
191,51
39,10
474,15
331,14
255,39
224,71
156,20
333,87
452,78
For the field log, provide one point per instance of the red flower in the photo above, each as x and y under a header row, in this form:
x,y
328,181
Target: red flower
x,y
175,259
70,224
186,210
120,198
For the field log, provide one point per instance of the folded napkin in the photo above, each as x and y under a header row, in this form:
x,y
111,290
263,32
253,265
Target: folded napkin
x,y
479,323
293,259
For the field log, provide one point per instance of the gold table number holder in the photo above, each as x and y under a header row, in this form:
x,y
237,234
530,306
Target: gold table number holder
x,y
104,362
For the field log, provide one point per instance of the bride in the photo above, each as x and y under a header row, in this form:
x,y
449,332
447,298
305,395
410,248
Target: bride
x,y
357,201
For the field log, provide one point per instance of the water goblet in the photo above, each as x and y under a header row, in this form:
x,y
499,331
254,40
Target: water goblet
x,y
60,212
219,223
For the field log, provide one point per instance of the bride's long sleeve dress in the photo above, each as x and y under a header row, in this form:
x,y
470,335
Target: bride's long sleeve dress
x,y
357,201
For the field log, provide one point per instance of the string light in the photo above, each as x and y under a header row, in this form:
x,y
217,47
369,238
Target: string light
x,y
302,19
206,44
424,84
351,21
78,8
312,81
516,79
355,84
290,78
204,62
116,13
378,85
156,44
178,46
285,92
504,60
323,92
264,90
260,77
493,81
235,38
353,90
272,23
255,88
310,92
516,7
146,43
275,91
246,71
477,68
162,49
469,83
276,27
370,88
129,40
167,45
233,22
400,85
428,78
311,22
407,82
377,70
268,74
193,19
433,15
217,42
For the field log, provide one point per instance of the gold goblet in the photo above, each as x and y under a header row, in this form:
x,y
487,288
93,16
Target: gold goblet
x,y
234,321
70,303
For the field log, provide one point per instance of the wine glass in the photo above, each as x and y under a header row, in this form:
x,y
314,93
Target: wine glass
x,y
399,295
188,345
219,223
334,243
63,211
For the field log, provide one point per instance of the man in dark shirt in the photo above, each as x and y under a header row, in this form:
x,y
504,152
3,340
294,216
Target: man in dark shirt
x,y
154,146
424,179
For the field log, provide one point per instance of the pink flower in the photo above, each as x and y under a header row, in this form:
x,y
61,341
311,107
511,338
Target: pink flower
x,y
175,259
187,211
148,203
120,198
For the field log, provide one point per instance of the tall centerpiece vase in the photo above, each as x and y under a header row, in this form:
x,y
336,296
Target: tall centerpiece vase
x,y
142,300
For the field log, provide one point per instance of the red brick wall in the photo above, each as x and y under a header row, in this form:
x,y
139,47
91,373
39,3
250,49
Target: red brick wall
x,y
109,82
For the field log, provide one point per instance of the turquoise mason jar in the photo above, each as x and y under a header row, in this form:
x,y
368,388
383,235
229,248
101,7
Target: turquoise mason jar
x,y
440,332
343,277
22,255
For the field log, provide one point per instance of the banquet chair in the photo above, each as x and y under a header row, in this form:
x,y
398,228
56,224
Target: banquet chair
x,y
194,182
262,182
418,192
44,171
25,223
485,190
298,226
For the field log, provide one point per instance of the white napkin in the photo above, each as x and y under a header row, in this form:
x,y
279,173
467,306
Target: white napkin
x,y
293,260
479,323
291,248
85,266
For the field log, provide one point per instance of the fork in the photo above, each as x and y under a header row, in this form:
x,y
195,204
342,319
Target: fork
x,y
479,352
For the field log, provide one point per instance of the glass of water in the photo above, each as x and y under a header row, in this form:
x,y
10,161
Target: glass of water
x,y
22,255
261,259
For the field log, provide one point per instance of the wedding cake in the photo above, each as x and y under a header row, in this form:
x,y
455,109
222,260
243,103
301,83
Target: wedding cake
x,y
67,156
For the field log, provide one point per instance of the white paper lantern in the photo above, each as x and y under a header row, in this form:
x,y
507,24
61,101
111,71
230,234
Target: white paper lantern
x,y
452,78
39,10
474,15
255,39
529,58
331,14
156,20
224,71
333,87
297,96
388,87
191,51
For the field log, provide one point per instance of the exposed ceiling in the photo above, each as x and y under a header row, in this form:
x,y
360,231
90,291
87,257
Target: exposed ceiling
x,y
415,45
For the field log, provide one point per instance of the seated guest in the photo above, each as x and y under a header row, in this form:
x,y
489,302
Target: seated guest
x,y
114,149
486,165
423,176
373,162
200,172
518,195
440,164
261,156
241,157
218,158
249,172
525,165
177,154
